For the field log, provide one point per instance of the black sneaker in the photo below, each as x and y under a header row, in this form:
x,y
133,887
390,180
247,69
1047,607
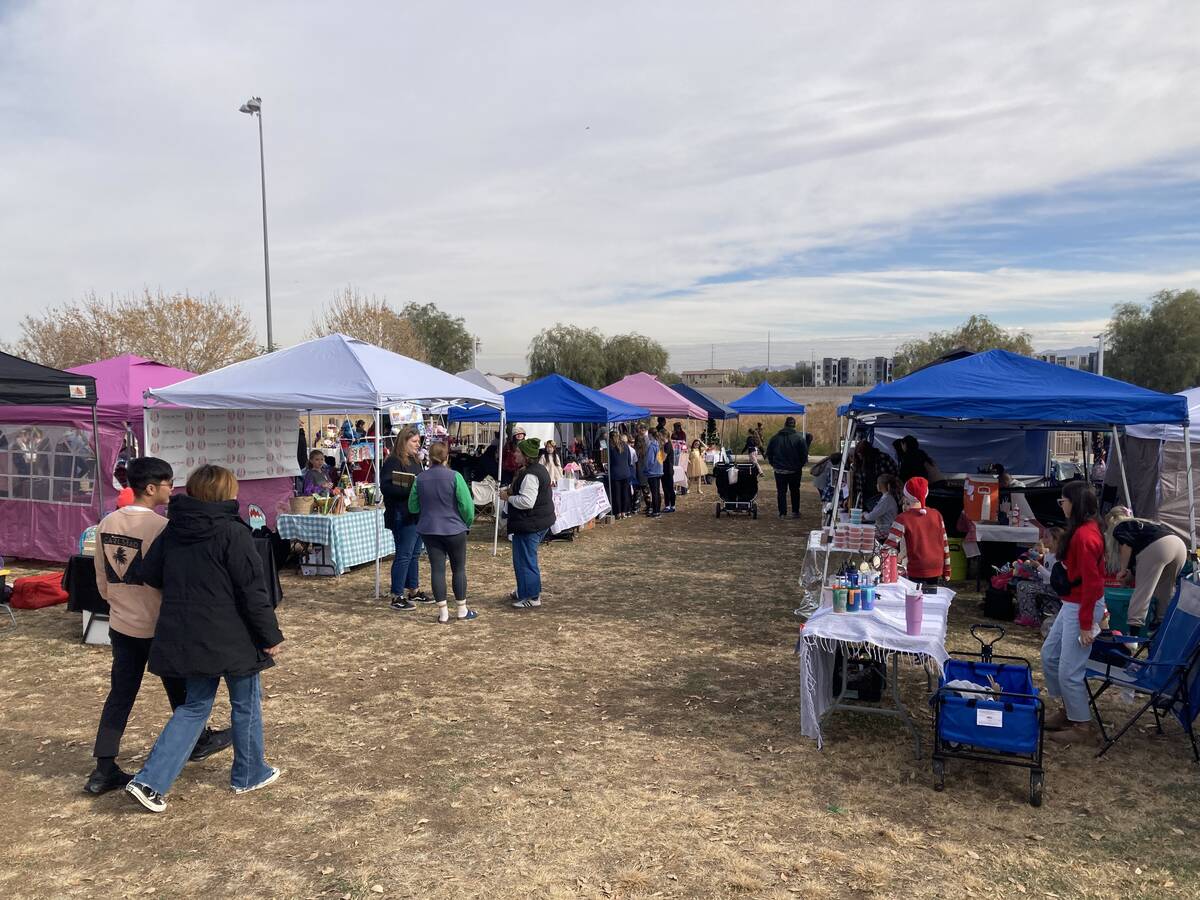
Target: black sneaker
x,y
101,783
150,799
211,742
402,604
422,597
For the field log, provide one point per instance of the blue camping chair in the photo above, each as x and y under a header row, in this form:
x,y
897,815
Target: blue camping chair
x,y
1169,675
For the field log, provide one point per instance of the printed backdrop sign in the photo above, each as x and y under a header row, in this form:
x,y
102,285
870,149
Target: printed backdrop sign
x,y
251,443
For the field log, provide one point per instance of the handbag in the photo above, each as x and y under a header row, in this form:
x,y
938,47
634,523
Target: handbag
x,y
1060,581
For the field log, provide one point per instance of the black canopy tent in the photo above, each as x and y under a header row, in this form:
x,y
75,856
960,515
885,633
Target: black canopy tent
x,y
25,383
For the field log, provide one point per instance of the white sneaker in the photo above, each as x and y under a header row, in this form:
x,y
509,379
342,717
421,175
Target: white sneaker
x,y
527,603
270,779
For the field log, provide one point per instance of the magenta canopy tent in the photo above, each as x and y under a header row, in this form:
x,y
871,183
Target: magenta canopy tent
x,y
642,389
49,528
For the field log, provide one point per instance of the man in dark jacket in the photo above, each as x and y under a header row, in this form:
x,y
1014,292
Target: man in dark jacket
x,y
788,455
530,515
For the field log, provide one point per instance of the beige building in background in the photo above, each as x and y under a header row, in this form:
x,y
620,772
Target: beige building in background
x,y
710,377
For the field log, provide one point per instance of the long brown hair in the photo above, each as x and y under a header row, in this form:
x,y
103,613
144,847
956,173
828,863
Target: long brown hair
x,y
1084,508
400,447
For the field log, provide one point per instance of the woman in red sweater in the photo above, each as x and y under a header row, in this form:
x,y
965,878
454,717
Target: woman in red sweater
x,y
922,533
1068,645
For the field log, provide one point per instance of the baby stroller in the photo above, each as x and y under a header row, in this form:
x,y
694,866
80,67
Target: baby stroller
x,y
737,486
1000,722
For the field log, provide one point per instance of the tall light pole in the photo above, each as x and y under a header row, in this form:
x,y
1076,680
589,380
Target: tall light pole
x,y
1100,352
253,107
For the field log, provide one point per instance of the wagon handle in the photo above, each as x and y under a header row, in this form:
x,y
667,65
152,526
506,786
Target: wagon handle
x,y
985,647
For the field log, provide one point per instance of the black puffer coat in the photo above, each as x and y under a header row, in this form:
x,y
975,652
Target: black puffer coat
x,y
216,617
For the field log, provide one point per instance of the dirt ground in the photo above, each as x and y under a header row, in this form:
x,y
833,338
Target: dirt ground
x,y
638,736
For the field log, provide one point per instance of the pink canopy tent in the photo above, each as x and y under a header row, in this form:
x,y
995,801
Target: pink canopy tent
x,y
49,529
642,389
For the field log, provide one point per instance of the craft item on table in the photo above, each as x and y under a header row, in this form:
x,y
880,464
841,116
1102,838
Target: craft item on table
x,y
914,612
891,567
854,538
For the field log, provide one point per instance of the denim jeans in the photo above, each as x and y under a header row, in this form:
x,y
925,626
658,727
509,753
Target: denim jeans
x,y
525,564
1064,661
404,563
178,738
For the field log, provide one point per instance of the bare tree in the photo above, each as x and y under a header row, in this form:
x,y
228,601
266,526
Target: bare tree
x,y
369,319
194,333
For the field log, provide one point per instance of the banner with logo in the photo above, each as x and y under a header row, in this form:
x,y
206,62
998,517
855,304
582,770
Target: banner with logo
x,y
251,443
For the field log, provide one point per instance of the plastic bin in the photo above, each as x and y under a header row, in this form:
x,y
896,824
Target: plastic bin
x,y
1117,601
958,560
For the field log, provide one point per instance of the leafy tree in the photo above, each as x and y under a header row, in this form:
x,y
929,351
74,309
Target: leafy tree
x,y
978,333
1157,345
194,333
369,319
625,354
445,337
573,352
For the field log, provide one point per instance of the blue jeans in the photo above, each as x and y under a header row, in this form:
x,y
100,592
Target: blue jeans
x,y
404,563
178,738
1064,661
525,564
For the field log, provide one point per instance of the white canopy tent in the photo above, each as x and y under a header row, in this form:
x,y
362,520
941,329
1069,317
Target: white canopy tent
x,y
1158,485
484,380
330,375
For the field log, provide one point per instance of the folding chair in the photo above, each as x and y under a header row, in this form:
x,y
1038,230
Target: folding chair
x,y
1169,675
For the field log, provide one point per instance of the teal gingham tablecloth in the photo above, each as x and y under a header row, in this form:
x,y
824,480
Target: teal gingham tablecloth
x,y
350,537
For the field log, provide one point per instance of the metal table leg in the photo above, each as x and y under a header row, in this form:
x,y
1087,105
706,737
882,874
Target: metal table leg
x,y
895,710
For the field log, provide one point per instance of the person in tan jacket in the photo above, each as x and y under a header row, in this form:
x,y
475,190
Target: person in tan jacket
x,y
123,539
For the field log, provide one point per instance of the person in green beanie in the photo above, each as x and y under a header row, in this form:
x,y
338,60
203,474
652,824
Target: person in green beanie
x,y
530,515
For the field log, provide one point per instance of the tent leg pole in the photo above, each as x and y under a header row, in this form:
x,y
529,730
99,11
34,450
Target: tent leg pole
x,y
1121,463
837,496
499,476
1187,448
378,518
100,460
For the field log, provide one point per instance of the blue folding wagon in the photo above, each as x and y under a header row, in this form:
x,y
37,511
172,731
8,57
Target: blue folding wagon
x,y
1000,723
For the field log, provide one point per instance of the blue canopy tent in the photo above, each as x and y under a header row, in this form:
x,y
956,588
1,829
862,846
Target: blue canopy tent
x,y
714,408
1001,389
767,401
554,399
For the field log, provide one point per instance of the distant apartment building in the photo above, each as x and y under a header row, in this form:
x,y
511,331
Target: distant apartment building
x,y
710,377
1081,358
846,371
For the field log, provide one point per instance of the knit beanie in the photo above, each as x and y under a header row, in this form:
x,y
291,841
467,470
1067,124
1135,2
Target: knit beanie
x,y
529,447
916,490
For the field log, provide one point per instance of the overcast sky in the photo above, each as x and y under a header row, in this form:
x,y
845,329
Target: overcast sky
x,y
844,175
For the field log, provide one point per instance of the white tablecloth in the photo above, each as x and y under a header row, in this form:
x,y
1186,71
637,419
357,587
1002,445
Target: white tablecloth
x,y
878,632
578,507
1009,534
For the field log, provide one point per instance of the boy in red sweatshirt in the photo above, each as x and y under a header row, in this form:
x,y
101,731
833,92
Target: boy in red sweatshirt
x,y
919,534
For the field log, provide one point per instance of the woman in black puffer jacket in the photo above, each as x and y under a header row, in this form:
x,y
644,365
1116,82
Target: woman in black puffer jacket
x,y
216,622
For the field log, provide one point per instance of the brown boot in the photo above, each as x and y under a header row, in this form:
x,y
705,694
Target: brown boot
x,y
1057,720
1074,733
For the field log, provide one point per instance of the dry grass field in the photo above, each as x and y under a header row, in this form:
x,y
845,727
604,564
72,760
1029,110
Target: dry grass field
x,y
636,737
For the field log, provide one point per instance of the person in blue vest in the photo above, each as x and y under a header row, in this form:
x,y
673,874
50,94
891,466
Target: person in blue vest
x,y
442,503
653,465
530,515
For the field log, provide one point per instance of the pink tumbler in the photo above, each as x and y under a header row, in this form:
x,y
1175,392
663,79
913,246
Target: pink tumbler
x,y
914,611
890,568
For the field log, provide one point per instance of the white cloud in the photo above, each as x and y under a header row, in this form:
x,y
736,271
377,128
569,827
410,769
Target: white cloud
x,y
525,163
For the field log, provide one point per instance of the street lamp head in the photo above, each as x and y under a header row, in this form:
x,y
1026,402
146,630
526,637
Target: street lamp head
x,y
252,106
